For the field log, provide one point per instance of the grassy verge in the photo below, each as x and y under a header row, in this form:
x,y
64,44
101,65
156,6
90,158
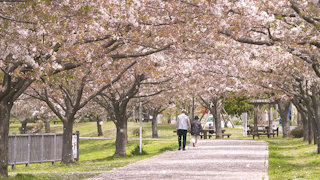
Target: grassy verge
x,y
96,156
289,158
292,158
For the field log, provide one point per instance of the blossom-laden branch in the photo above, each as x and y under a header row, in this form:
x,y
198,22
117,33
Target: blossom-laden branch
x,y
121,56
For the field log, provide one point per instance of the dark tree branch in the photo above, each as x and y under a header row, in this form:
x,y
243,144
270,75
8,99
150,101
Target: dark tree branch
x,y
99,92
308,19
93,39
109,43
52,107
121,56
149,95
116,46
159,82
247,40
15,20
67,94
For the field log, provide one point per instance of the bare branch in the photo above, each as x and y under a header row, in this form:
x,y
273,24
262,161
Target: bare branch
x,y
160,82
116,46
15,20
65,91
148,95
247,40
306,18
121,56
106,86
93,39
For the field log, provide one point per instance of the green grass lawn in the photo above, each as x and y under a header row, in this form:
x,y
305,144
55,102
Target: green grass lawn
x,y
289,158
96,155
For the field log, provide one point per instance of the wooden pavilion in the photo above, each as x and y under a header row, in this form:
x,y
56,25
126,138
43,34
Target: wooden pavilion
x,y
257,102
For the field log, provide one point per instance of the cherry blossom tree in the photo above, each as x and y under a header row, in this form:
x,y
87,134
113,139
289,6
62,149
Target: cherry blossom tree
x,y
136,83
69,96
43,38
157,105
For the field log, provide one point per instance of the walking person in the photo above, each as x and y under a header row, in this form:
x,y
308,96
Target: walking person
x,y
182,127
196,128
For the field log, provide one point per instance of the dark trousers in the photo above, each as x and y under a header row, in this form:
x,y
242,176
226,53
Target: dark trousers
x,y
183,133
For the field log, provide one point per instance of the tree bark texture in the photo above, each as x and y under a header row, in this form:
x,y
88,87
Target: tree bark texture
x,y
316,116
67,154
23,127
47,125
283,111
121,138
4,131
270,117
304,126
99,127
303,114
154,125
216,112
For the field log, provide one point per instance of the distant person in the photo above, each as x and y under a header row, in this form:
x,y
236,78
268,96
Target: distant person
x,y
211,127
196,128
182,127
211,132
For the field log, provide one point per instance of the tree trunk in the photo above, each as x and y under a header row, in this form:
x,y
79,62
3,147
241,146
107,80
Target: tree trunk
x,y
314,130
304,126
283,111
67,154
310,133
5,109
23,127
303,110
121,138
216,109
99,127
316,116
270,117
218,125
47,125
154,126
169,119
299,120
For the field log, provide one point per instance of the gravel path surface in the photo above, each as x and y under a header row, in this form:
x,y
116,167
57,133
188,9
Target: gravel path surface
x,y
212,159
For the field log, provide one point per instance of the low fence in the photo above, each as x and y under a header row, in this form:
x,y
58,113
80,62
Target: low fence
x,y
38,148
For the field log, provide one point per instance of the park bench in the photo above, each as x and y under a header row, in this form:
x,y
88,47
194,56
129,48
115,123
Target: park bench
x,y
263,130
207,133
260,134
214,134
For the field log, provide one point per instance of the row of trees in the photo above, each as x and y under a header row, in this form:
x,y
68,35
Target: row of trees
x,y
108,55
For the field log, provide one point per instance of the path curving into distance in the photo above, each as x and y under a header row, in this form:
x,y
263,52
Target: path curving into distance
x,y
212,159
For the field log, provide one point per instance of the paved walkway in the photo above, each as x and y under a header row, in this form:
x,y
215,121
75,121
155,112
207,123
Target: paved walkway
x,y
212,159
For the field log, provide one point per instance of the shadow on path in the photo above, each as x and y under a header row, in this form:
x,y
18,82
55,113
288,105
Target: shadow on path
x,y
212,159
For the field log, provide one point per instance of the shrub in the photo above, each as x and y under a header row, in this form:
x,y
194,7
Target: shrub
x,y
136,151
297,132
137,131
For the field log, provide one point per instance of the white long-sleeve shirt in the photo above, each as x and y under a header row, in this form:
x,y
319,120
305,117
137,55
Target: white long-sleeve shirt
x,y
183,122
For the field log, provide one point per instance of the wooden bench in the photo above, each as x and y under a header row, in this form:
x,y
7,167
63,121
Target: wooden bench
x,y
228,135
250,130
259,134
